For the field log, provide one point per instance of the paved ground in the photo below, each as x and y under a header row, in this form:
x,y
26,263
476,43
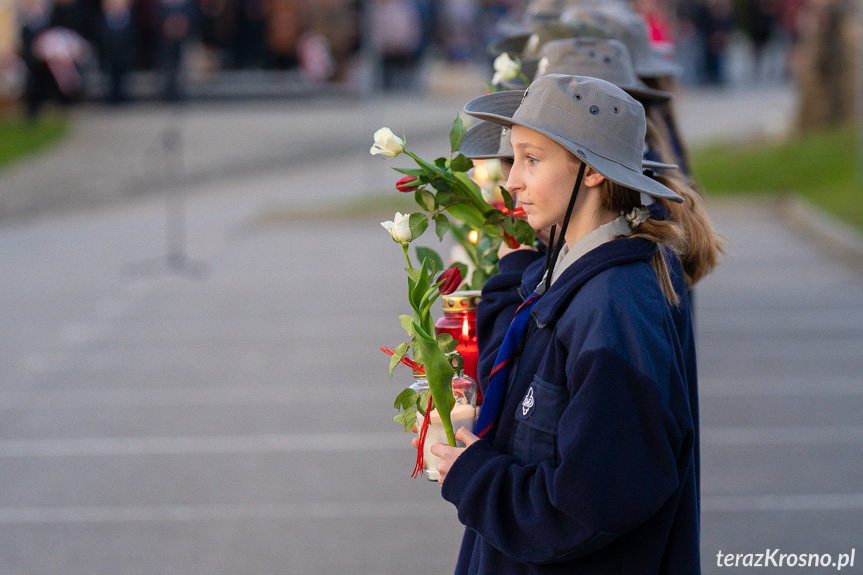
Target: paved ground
x,y
236,419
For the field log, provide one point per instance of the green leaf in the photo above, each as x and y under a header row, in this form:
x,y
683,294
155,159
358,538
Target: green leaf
x,y
406,399
446,197
467,214
507,198
457,134
439,373
446,343
433,257
415,172
407,323
461,163
440,162
441,184
472,190
426,199
423,283
478,279
494,217
418,224
398,353
407,418
441,225
523,233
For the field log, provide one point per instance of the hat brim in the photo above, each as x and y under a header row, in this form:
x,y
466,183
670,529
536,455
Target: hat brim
x,y
654,65
482,142
653,165
491,109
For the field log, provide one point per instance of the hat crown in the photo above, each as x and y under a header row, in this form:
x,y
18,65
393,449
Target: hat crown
x,y
586,114
604,59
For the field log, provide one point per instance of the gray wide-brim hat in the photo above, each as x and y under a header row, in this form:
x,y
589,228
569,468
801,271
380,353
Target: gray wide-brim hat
x,y
631,29
486,141
607,60
594,119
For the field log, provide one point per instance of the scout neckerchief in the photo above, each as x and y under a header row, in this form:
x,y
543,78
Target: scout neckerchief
x,y
498,379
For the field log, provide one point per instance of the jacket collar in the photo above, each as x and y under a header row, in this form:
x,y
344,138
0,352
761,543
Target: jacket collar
x,y
616,252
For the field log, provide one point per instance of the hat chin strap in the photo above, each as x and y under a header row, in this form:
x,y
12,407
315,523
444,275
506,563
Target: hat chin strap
x,y
551,257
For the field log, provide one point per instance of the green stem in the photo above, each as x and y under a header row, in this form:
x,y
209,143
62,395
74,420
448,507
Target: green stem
x,y
406,247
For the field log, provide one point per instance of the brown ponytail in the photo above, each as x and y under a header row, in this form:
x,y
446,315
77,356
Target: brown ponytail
x,y
669,233
704,245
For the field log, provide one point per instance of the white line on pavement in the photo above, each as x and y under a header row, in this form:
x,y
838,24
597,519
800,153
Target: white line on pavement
x,y
99,398
185,513
803,435
203,445
372,510
805,502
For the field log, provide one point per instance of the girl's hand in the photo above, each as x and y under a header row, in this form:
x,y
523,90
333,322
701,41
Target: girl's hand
x,y
448,454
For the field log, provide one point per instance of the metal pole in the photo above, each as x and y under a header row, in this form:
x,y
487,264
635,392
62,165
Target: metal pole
x,y
175,209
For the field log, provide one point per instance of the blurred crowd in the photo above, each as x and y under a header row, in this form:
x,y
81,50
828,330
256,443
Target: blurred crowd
x,y
50,48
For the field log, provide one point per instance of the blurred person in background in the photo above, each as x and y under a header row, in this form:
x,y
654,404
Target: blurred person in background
x,y
284,26
396,33
116,44
35,19
249,27
175,25
716,22
337,21
761,26
459,32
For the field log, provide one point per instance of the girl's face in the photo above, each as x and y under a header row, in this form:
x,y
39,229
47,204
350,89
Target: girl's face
x,y
543,175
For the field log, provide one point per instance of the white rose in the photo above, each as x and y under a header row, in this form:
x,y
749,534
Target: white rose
x,y
399,228
505,68
387,144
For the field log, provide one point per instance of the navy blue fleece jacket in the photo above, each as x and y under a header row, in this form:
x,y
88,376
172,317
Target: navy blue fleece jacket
x,y
592,468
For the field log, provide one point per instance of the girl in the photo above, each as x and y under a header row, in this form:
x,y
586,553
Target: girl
x,y
582,459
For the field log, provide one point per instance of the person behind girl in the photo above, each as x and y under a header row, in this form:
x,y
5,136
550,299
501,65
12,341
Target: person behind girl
x,y
582,459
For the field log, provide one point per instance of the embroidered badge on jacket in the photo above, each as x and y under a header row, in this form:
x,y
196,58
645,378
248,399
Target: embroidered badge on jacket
x,y
528,405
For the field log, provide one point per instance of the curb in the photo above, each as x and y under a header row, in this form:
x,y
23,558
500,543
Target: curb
x,y
834,236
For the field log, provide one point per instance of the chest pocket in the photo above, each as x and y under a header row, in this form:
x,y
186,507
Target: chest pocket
x,y
537,417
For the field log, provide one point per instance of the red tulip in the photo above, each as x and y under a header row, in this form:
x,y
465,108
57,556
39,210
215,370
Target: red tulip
x,y
402,184
450,279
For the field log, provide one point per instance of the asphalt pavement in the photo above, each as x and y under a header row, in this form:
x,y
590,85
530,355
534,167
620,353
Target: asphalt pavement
x,y
190,379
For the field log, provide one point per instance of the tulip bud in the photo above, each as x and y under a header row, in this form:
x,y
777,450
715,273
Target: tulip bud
x,y
450,279
403,185
387,144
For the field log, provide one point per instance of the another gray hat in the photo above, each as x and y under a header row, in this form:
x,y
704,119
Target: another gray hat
x,y
592,118
485,141
631,29
607,60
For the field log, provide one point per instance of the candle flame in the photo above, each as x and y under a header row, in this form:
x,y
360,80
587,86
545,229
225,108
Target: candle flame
x,y
465,329
481,173
473,236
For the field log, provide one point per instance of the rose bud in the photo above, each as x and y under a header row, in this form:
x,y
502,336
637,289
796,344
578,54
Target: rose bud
x,y
403,184
450,280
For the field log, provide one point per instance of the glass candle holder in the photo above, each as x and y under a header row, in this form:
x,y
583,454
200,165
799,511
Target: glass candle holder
x,y
459,320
